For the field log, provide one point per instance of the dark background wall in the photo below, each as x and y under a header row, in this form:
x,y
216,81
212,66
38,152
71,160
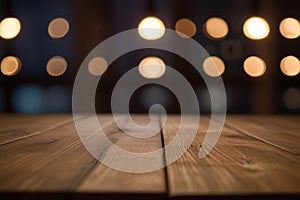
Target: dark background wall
x,y
32,90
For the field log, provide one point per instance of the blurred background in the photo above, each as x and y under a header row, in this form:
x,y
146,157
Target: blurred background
x,y
43,43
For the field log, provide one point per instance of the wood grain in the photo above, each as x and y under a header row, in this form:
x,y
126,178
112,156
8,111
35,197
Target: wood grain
x,y
17,126
105,179
29,164
255,155
279,131
239,164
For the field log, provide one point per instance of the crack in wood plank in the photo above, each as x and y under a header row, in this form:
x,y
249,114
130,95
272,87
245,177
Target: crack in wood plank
x,y
37,132
233,127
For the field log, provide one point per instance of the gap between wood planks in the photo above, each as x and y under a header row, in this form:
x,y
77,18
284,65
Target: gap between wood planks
x,y
164,157
258,167
166,173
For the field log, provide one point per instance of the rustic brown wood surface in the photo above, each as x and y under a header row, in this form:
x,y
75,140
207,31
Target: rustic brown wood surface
x,y
255,155
249,158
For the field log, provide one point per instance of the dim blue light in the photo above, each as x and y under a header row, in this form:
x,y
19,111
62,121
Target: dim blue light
x,y
28,99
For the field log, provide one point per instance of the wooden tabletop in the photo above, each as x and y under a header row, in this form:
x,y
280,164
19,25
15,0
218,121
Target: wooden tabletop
x,y
42,156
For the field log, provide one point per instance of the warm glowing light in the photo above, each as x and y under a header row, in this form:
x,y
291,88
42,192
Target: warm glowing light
x,y
97,66
152,67
151,28
58,28
291,98
10,65
254,66
290,66
185,28
290,28
216,28
256,28
56,66
213,66
10,28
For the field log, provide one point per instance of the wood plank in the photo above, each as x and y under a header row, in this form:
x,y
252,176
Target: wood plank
x,y
28,165
18,126
280,131
103,179
238,165
55,160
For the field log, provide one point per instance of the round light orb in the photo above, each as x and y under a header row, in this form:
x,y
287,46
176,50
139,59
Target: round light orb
x,y
97,66
256,28
152,67
151,28
58,28
216,28
9,28
290,28
185,28
213,66
10,65
254,66
56,66
290,66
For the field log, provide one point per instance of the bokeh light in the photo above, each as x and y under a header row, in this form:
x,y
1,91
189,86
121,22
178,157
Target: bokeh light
x,y
28,99
256,28
152,67
151,28
185,28
291,98
289,28
290,66
56,66
216,28
254,66
10,65
58,28
97,66
213,66
10,28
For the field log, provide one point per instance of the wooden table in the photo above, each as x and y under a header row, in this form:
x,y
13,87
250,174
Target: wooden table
x,y
41,156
